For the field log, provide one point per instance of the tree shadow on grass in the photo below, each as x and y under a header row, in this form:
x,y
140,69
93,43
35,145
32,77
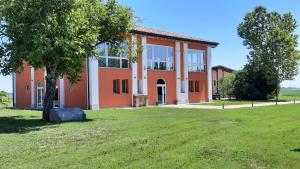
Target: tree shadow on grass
x,y
296,150
22,125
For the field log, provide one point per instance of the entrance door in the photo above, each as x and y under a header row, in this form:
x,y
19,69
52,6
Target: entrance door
x,y
161,92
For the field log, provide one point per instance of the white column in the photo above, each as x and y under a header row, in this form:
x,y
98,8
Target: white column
x,y
178,73
134,68
14,90
144,66
209,74
186,73
61,92
32,87
93,84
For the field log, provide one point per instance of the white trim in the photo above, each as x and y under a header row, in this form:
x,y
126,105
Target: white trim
x,y
179,95
186,73
14,90
32,87
144,66
209,74
134,69
93,84
61,92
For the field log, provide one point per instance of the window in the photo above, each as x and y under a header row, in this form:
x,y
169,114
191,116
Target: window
x,y
160,57
191,86
110,56
27,88
116,86
182,86
196,60
197,86
214,82
140,86
40,95
56,101
125,86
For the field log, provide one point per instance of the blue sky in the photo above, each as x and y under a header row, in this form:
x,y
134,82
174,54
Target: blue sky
x,y
213,20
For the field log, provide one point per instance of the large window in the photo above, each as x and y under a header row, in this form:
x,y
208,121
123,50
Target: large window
x,y
160,57
110,56
196,60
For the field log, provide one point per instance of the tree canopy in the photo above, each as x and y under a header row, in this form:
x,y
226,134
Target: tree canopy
x,y
58,35
272,42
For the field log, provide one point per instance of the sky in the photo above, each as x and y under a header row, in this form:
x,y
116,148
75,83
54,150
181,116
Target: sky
x,y
212,20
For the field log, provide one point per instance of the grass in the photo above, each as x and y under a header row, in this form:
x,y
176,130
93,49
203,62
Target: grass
x,y
285,95
265,137
289,94
233,102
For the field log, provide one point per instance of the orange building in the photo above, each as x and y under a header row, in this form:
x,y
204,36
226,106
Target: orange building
x,y
172,69
219,72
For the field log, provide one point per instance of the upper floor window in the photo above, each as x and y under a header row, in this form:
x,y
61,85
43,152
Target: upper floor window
x,y
196,60
160,57
112,57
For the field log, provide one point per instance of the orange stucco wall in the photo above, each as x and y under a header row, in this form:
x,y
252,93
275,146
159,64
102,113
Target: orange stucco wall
x,y
23,97
106,96
77,95
202,95
202,77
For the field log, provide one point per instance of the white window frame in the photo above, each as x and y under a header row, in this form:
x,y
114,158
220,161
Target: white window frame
x,y
107,57
169,65
197,64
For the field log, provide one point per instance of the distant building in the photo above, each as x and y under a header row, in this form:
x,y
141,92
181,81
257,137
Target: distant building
x,y
218,72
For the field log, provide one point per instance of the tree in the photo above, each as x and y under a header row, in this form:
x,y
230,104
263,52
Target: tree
x,y
227,85
4,98
58,35
252,83
272,43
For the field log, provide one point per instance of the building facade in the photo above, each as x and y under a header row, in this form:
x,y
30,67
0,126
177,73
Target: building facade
x,y
171,69
218,72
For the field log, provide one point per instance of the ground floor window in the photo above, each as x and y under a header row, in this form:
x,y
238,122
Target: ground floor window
x,y
116,86
197,86
125,86
40,93
56,101
191,86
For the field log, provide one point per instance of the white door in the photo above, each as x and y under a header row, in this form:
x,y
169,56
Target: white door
x,y
161,94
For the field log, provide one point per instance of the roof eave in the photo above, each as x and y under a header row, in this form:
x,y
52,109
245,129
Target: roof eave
x,y
211,44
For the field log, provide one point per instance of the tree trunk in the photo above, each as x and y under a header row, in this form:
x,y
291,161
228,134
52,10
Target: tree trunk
x,y
51,80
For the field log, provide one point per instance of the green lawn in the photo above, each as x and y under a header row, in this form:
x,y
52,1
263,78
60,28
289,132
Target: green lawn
x,y
233,102
289,94
266,137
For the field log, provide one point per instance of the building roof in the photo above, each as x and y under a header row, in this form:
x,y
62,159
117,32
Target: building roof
x,y
223,67
168,35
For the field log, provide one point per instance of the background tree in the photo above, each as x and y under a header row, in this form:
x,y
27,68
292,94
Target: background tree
x,y
272,43
226,84
252,83
58,35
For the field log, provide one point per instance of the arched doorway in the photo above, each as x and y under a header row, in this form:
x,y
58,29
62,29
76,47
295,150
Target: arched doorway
x,y
161,91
